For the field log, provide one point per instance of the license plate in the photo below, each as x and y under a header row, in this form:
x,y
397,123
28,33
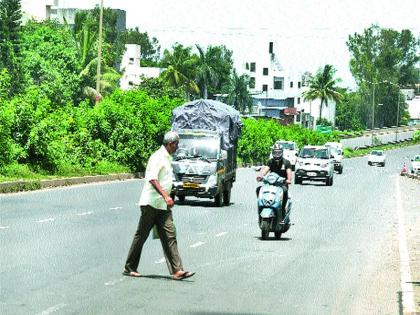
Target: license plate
x,y
190,185
311,174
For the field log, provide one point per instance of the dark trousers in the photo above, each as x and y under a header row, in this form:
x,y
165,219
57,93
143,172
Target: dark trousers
x,y
164,222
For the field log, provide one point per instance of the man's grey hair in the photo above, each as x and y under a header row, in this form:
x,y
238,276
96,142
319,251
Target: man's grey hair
x,y
170,137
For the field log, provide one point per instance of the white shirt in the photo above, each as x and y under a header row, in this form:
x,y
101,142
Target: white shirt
x,y
159,167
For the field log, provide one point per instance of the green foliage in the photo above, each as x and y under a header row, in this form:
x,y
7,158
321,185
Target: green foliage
x,y
158,88
6,121
238,95
5,84
130,124
382,60
349,112
416,137
51,61
259,135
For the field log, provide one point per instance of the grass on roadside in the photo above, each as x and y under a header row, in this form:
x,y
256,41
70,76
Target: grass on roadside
x,y
23,172
348,153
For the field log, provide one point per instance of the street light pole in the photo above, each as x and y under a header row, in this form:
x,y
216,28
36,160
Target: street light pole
x,y
398,112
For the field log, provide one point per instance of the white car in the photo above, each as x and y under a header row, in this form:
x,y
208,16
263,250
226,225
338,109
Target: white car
x,y
290,151
415,164
315,163
377,157
337,152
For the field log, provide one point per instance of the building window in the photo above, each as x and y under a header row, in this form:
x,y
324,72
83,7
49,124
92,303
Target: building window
x,y
291,84
278,83
299,84
265,71
131,61
252,69
252,83
298,100
247,66
270,48
130,83
265,88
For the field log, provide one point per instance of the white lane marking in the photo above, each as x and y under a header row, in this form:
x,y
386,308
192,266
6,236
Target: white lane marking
x,y
245,224
113,282
160,261
85,213
115,208
4,227
221,234
52,309
406,282
197,244
45,220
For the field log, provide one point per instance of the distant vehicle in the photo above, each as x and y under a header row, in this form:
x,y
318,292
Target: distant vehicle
x,y
415,164
290,151
315,163
337,152
377,157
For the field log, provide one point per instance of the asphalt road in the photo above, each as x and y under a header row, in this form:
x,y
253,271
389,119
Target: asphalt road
x,y
63,250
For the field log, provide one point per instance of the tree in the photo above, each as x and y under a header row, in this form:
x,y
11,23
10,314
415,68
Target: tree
x,y
180,69
10,56
381,61
323,86
348,112
214,66
51,62
150,48
238,95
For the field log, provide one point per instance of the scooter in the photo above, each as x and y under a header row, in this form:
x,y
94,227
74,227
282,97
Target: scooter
x,y
270,199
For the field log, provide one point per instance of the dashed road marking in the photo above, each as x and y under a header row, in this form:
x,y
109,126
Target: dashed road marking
x,y
115,208
406,280
197,244
113,282
45,220
4,227
160,261
85,213
221,234
52,309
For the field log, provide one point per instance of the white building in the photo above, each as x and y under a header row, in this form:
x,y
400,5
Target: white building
x,y
277,92
132,71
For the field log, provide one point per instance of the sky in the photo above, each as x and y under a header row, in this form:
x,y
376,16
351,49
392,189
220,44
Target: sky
x,y
307,34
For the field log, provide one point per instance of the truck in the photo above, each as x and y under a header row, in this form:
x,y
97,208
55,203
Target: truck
x,y
204,165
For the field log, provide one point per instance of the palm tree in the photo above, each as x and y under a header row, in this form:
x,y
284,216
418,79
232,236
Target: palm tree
x,y
238,95
206,68
323,86
180,69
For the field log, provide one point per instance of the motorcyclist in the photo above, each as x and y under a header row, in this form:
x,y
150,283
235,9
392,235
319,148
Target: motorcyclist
x,y
278,164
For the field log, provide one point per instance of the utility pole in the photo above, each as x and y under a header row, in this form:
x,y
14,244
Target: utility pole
x,y
98,69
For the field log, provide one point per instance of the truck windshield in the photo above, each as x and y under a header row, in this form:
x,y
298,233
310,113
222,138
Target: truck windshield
x,y
191,146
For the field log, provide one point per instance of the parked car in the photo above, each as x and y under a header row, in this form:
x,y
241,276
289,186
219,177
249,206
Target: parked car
x,y
290,151
415,164
377,157
315,163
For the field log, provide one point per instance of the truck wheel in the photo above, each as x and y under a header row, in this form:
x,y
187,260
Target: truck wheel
x,y
226,196
181,198
218,200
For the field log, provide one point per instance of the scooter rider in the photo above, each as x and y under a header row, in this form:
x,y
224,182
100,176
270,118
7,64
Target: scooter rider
x,y
282,167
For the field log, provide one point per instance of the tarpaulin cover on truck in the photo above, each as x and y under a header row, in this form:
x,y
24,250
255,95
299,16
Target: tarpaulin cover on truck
x,y
208,115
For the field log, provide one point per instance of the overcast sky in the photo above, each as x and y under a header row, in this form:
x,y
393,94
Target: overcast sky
x,y
307,33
